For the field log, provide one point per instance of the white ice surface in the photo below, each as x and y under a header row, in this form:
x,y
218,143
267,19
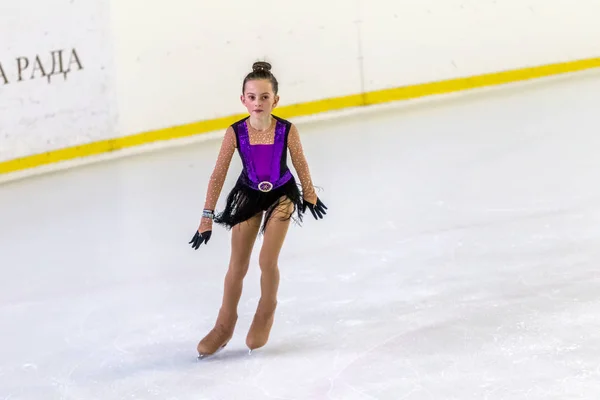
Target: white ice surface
x,y
459,260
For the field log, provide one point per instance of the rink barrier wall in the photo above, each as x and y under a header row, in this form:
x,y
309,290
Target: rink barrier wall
x,y
299,110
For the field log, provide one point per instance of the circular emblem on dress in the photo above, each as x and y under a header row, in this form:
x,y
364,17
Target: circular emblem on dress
x,y
265,186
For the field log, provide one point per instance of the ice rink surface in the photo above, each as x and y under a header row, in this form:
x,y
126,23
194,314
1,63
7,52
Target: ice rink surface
x,y
460,260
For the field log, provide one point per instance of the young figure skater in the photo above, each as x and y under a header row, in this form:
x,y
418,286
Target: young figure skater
x,y
265,188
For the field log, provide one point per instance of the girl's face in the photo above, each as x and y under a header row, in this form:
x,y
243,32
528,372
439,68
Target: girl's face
x,y
259,98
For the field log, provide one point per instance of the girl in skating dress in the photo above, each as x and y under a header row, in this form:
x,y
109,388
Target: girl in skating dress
x,y
264,199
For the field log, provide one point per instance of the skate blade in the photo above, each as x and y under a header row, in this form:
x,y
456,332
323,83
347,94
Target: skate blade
x,y
205,356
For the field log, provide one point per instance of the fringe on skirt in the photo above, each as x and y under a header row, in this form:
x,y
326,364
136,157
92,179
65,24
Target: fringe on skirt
x,y
243,203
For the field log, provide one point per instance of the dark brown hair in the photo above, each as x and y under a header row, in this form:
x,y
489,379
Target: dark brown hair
x,y
261,70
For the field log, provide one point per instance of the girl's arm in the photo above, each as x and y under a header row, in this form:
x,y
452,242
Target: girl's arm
x,y
301,165
217,178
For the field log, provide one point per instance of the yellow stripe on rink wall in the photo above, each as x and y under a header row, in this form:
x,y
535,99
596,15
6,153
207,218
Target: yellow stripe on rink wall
x,y
302,109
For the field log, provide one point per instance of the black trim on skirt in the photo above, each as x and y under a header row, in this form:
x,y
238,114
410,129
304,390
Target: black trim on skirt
x,y
244,202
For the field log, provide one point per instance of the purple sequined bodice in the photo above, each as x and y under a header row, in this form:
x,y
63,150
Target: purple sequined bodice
x,y
262,154
263,163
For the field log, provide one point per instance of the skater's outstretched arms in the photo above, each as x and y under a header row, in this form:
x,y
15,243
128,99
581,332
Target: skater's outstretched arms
x,y
217,178
301,165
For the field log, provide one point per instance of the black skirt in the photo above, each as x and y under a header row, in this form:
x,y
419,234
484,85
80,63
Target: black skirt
x,y
244,202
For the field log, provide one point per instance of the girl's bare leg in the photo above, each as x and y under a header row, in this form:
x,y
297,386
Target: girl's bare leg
x,y
242,241
274,237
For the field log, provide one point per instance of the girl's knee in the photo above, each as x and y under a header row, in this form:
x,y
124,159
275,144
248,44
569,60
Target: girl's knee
x,y
267,263
238,270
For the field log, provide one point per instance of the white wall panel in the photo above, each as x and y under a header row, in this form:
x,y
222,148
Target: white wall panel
x,y
410,42
40,111
186,60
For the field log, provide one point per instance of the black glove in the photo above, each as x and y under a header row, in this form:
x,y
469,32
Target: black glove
x,y
199,238
317,210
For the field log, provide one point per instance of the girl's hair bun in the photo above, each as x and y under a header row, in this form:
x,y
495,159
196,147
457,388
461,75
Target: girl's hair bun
x,y
261,66
261,70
